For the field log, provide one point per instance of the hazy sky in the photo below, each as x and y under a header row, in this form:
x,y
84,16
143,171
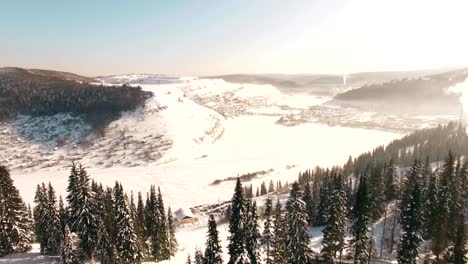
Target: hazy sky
x,y
203,37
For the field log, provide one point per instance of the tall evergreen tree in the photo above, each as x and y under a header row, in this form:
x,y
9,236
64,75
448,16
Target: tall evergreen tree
x,y
237,242
360,225
68,254
40,210
334,232
458,254
162,229
279,245
376,193
391,181
252,233
173,245
430,206
297,231
440,238
52,223
310,204
267,239
199,259
82,212
410,218
15,223
127,250
140,228
213,251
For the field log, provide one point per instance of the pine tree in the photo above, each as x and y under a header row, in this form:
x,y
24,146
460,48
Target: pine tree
x,y
271,187
199,259
391,182
82,212
359,228
62,211
430,206
213,251
267,240
297,232
152,219
376,193
310,204
163,238
440,238
410,218
40,211
458,253
237,242
140,228
68,254
323,204
279,246
334,232
173,245
189,259
252,233
15,224
127,250
52,223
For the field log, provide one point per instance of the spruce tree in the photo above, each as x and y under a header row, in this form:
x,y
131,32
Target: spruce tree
x,y
440,237
334,232
310,204
140,229
199,259
52,223
458,252
162,229
430,206
410,218
252,233
376,193
213,251
173,245
83,218
152,219
15,223
68,254
297,232
237,242
127,250
279,245
267,239
360,225
40,210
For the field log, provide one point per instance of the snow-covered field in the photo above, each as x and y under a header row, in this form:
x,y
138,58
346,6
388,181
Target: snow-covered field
x,y
190,133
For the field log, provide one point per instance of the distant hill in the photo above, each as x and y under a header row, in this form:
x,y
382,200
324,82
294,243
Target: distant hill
x,y
422,95
321,84
37,73
43,92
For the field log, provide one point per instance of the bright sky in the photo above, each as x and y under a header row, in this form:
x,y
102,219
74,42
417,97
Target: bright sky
x,y
204,37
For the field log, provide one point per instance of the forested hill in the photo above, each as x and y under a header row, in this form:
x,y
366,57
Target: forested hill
x,y
43,92
424,95
432,144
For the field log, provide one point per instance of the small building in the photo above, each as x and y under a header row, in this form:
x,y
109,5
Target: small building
x,y
185,216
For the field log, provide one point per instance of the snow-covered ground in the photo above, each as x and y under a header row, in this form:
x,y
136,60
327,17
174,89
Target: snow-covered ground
x,y
190,133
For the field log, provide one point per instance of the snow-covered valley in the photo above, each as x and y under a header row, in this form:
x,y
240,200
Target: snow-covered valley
x,y
191,133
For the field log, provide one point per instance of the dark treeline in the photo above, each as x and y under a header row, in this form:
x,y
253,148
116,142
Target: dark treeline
x,y
23,92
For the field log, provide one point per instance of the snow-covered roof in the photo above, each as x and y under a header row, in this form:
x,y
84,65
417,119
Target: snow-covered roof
x,y
182,213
